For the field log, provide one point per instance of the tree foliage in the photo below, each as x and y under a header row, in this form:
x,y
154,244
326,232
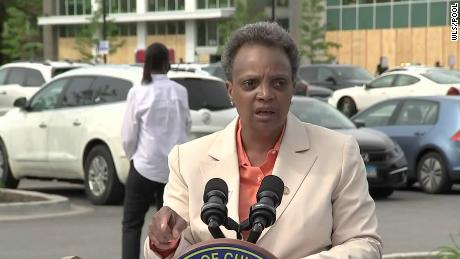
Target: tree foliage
x,y
242,16
20,36
88,38
313,31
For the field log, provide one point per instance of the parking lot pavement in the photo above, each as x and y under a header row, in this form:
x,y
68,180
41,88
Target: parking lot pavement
x,y
409,221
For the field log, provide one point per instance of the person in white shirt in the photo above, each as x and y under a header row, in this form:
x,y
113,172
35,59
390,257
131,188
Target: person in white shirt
x,y
157,118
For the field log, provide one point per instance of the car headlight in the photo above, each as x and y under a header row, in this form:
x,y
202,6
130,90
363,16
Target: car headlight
x,y
395,151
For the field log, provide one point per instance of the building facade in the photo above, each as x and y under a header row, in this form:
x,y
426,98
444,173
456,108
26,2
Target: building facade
x,y
187,27
403,31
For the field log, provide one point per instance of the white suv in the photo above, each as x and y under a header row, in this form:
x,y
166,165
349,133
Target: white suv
x,y
70,129
23,79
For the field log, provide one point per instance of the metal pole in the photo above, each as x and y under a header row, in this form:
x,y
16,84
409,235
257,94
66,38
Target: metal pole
x,y
273,10
104,32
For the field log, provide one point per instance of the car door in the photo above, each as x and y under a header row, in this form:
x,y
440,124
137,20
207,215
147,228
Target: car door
x,y
67,126
410,125
20,82
404,85
29,131
374,92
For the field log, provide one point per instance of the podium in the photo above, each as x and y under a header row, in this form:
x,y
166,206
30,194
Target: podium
x,y
225,248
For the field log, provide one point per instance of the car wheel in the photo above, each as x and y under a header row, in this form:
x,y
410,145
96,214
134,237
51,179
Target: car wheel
x,y
6,177
379,193
432,173
347,106
102,185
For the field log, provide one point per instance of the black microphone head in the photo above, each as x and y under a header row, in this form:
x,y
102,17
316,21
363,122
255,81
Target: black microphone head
x,y
216,184
274,184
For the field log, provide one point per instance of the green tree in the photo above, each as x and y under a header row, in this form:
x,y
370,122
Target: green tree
x,y
313,31
89,36
20,36
244,14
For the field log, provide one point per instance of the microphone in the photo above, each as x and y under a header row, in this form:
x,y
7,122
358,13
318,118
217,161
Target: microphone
x,y
214,210
263,213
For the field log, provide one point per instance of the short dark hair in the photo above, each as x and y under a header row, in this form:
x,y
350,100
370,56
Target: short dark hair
x,y
265,33
156,58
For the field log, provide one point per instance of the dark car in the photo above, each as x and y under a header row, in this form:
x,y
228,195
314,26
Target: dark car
x,y
385,162
300,88
303,88
428,131
334,76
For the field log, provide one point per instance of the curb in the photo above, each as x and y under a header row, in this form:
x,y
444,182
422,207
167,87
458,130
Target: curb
x,y
49,205
414,255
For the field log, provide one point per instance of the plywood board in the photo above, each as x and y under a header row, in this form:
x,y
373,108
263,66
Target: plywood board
x,y
419,45
373,49
434,45
389,46
359,48
403,46
345,51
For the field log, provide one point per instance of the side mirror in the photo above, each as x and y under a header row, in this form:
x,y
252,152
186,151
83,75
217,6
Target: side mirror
x,y
359,123
20,103
331,80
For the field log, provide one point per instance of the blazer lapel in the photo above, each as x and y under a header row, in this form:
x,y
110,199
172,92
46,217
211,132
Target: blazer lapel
x,y
293,162
223,163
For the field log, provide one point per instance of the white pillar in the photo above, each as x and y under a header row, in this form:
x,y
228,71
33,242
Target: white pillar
x,y
190,40
190,33
141,27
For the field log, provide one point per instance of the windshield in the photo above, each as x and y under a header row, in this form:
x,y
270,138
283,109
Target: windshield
x,y
205,94
319,113
216,70
443,76
355,73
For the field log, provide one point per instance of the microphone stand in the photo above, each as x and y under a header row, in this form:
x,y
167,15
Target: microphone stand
x,y
214,228
255,233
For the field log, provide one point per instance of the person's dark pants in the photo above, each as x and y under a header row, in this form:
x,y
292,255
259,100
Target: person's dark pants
x,y
140,193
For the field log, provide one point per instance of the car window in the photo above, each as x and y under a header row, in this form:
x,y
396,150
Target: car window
x,y
16,76
324,73
417,112
403,80
320,113
356,73
216,70
33,78
109,89
378,115
48,97
205,94
3,74
60,70
78,92
441,77
384,81
308,73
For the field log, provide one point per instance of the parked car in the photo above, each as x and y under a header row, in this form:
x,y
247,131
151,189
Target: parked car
x,y
385,162
334,76
215,69
395,84
70,129
428,131
302,88
23,79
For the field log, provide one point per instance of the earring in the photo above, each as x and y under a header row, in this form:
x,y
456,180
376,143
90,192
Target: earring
x,y
231,101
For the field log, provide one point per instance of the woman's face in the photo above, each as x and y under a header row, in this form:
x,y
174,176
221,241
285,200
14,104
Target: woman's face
x,y
261,86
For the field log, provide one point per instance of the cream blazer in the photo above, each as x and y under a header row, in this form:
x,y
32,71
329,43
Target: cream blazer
x,y
326,210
